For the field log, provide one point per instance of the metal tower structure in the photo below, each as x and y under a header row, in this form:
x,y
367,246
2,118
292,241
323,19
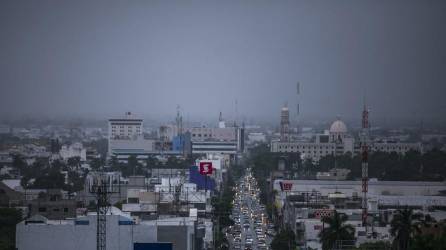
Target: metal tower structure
x,y
103,186
179,121
364,157
297,106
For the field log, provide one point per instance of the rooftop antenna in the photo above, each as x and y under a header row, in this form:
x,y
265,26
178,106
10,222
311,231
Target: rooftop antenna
x,y
179,121
236,112
103,186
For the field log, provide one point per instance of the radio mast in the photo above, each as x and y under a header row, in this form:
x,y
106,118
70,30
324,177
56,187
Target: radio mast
x,y
364,138
297,106
103,186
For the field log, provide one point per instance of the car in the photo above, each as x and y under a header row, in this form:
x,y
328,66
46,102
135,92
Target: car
x,y
270,232
262,247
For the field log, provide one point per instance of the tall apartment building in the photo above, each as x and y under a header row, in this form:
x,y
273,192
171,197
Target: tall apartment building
x,y
125,128
125,137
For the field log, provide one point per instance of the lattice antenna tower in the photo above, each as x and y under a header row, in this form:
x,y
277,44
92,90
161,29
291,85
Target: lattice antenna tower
x,y
364,138
103,186
297,105
179,121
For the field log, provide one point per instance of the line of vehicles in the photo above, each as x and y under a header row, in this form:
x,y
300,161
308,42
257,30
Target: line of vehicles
x,y
251,229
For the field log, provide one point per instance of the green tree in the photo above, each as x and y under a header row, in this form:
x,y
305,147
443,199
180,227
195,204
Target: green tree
x,y
403,227
284,240
336,232
50,179
96,163
133,167
9,217
19,163
114,163
75,182
428,242
74,162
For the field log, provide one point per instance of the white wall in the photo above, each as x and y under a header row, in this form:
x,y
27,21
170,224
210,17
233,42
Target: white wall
x,y
74,237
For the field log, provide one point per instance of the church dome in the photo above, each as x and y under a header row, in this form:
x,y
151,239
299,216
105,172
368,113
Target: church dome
x,y
338,126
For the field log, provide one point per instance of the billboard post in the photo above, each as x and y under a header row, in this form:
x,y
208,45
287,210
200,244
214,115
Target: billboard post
x,y
205,169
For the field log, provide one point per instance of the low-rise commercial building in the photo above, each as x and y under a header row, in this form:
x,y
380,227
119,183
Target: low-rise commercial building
x,y
123,233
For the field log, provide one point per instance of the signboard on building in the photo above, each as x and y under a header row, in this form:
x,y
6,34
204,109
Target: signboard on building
x,y
322,213
205,168
286,186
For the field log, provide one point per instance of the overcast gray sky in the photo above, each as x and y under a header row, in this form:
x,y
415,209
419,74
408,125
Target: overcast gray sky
x,y
102,57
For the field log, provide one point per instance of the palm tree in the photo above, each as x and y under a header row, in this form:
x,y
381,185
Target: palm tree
x,y
336,232
403,227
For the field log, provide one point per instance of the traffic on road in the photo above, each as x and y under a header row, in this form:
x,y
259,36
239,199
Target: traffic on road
x,y
251,229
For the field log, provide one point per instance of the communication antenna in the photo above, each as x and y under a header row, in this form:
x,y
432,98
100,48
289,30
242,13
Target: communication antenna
x,y
298,105
236,112
364,140
179,121
103,186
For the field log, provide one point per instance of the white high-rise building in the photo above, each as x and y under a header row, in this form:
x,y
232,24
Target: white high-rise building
x,y
126,128
125,137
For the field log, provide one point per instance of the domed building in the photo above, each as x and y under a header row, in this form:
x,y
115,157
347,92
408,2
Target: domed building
x,y
338,131
335,141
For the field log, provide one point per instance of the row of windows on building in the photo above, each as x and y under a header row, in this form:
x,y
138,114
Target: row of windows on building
x,y
122,131
382,148
314,152
200,135
304,147
44,209
122,126
391,148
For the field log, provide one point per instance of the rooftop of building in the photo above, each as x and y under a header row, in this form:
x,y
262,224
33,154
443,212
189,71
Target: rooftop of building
x,y
371,182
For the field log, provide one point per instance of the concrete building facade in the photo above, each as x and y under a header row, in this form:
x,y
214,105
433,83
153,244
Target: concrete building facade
x,y
39,233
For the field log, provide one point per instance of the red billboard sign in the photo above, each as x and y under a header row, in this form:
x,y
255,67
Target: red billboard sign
x,y
286,186
205,168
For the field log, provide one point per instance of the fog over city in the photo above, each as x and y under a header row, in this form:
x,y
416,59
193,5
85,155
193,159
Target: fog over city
x,y
223,125
95,59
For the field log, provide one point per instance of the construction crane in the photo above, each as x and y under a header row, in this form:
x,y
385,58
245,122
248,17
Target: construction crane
x,y
364,158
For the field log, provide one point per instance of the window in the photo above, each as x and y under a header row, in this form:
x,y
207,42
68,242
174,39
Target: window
x,y
65,210
42,209
133,200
